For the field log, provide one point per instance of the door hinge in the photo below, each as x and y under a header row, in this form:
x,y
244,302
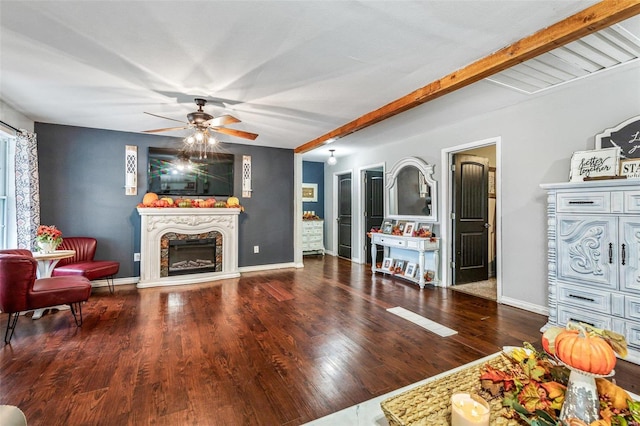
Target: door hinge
x,y
453,167
452,265
453,216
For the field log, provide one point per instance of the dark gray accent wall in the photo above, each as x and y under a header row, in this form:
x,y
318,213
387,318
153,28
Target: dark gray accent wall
x,y
313,172
82,193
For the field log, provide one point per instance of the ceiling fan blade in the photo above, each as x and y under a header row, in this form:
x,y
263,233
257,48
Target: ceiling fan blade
x,y
166,118
167,129
234,132
223,120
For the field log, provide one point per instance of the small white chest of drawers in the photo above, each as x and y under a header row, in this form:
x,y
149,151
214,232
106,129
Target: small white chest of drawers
x,y
313,236
594,256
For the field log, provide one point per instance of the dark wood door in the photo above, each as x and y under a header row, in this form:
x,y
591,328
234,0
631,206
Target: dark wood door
x,y
344,216
470,221
373,207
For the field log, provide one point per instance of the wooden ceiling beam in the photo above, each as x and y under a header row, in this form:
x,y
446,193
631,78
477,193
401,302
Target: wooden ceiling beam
x,y
590,20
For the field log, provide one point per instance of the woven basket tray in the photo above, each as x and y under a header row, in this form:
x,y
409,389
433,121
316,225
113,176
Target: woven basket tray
x,y
430,404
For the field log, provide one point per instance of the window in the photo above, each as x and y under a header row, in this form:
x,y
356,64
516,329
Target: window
x,y
4,188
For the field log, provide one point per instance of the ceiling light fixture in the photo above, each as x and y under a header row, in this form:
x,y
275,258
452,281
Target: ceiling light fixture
x,y
332,160
200,142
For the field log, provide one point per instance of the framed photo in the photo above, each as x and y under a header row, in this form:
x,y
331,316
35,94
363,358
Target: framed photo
x,y
594,163
492,182
411,270
630,168
387,264
409,228
310,192
399,266
401,225
387,226
423,229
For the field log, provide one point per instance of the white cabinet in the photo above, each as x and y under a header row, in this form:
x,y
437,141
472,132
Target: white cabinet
x,y
313,236
594,258
404,248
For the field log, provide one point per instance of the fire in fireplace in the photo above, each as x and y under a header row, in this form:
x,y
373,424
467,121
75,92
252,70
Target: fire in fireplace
x,y
192,256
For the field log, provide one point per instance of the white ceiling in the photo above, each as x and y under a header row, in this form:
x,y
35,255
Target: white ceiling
x,y
290,70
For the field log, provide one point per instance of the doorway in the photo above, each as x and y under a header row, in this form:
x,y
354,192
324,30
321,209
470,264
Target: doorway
x,y
373,206
344,219
472,232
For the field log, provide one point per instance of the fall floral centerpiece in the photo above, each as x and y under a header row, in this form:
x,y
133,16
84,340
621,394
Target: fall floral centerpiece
x,y
48,237
537,384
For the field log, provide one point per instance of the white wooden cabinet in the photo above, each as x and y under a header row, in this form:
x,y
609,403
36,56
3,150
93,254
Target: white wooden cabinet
x,y
403,248
594,258
313,236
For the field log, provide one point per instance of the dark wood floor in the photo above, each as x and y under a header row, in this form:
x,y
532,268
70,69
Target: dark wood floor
x,y
273,348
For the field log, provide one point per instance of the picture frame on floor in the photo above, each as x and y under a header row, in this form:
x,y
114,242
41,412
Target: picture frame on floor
x,y
411,270
387,264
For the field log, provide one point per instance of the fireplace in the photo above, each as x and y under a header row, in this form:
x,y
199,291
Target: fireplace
x,y
182,254
187,245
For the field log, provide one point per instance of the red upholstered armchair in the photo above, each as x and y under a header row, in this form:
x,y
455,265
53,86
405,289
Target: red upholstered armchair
x,y
21,291
83,264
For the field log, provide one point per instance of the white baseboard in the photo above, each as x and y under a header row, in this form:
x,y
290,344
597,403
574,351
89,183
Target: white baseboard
x,y
524,305
116,281
268,267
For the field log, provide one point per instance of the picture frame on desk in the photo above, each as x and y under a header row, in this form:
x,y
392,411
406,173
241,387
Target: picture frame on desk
x,y
401,225
411,270
408,229
387,264
424,229
387,226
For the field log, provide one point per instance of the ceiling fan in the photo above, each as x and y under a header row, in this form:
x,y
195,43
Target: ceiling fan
x,y
200,120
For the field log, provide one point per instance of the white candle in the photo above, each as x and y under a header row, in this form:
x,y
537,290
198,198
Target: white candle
x,y
469,410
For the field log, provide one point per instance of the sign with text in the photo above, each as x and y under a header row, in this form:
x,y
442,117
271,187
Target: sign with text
x,y
630,168
625,136
594,163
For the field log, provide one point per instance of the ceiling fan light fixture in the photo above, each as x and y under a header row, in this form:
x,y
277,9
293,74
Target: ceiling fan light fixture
x,y
332,160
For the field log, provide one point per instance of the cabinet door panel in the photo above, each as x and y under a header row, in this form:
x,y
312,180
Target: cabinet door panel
x,y
629,254
587,250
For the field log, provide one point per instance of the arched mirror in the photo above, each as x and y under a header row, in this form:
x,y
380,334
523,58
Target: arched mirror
x,y
411,191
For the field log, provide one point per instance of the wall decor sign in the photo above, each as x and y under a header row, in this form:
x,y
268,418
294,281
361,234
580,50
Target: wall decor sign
x,y
630,168
310,192
625,136
594,163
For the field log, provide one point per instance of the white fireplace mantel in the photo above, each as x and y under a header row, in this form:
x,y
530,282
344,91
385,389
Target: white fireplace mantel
x,y
155,222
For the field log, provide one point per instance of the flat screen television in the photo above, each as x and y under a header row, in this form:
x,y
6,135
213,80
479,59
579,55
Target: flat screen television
x,y
173,172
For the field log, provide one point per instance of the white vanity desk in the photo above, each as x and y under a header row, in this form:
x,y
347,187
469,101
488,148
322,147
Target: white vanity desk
x,y
412,244
412,197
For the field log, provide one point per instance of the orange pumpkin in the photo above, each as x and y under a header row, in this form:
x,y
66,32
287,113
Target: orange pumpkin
x,y
549,339
584,352
149,198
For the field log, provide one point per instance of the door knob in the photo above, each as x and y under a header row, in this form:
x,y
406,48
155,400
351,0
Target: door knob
x,y
486,225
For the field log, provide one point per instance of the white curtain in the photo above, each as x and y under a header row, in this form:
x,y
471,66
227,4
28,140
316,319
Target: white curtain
x,y
27,189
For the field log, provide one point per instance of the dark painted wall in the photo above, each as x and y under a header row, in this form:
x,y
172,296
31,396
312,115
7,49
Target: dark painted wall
x,y
313,172
82,193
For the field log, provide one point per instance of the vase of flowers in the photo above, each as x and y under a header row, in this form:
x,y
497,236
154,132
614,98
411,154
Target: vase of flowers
x,y
48,238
